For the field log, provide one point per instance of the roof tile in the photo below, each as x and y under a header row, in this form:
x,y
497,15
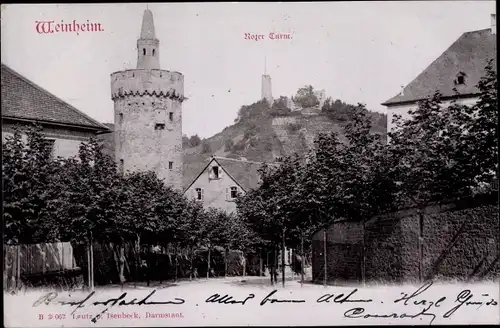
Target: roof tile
x,y
23,99
469,54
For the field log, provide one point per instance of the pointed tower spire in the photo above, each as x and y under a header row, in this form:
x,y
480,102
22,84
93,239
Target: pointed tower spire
x,y
148,45
148,26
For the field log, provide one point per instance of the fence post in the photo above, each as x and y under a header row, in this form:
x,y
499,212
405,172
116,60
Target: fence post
x,y
92,261
18,266
325,264
363,263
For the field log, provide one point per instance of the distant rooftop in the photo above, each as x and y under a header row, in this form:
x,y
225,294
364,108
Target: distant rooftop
x,y
466,57
244,172
23,99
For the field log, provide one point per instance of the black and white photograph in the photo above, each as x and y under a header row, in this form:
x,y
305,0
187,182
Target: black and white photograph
x,y
250,164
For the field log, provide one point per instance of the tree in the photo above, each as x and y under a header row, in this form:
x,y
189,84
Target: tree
x,y
205,147
338,110
446,152
280,107
185,142
483,129
27,176
305,97
270,209
195,140
228,145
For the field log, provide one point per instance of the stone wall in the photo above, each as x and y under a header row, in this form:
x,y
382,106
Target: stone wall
x,y
140,105
456,241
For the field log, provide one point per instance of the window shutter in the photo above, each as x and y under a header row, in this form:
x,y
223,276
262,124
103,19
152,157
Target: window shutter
x,y
202,194
210,173
220,171
227,193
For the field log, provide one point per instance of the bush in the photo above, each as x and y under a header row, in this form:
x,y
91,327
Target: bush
x,y
205,148
294,127
229,144
305,97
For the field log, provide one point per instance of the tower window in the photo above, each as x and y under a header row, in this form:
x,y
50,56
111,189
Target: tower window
x,y
171,116
121,166
153,52
159,126
170,165
144,51
121,117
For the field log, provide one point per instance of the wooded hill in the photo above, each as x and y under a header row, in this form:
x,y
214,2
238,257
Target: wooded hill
x,y
266,133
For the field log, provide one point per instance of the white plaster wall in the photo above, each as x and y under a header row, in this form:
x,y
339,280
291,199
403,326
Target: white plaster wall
x,y
214,191
404,109
63,147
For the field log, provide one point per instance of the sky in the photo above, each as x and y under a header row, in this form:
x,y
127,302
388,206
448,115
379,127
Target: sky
x,y
355,51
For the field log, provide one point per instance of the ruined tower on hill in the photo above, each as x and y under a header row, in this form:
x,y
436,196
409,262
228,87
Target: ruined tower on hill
x,y
148,112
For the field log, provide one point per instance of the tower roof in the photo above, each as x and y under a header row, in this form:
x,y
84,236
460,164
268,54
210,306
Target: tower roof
x,y
148,26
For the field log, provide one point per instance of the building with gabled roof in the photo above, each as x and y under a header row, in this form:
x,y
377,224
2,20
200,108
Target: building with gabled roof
x,y
222,180
25,103
458,68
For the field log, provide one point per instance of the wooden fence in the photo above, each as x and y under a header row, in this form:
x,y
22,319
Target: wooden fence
x,y
21,261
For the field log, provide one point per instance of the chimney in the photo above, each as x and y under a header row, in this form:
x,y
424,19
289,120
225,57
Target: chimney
x,y
402,92
493,24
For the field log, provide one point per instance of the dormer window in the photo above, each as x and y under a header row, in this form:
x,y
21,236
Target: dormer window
x,y
215,172
460,78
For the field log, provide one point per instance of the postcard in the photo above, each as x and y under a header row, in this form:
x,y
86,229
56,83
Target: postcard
x,y
230,164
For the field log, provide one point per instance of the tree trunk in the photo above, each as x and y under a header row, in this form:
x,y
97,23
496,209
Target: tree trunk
x,y
363,264
325,263
148,257
122,263
261,265
137,260
275,264
302,265
176,261
283,259
191,265
89,267
208,263
225,262
244,264
270,268
91,262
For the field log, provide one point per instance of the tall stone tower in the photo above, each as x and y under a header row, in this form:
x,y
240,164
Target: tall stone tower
x,y
148,112
266,92
266,89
